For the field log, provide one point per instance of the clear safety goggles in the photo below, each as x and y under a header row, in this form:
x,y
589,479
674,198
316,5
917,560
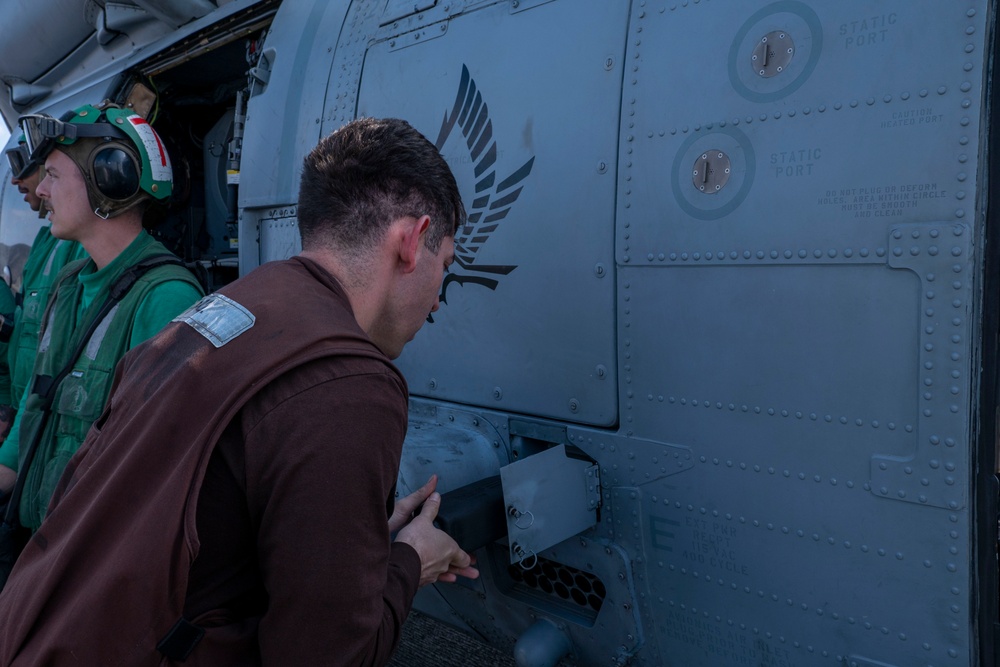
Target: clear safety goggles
x,y
42,131
19,159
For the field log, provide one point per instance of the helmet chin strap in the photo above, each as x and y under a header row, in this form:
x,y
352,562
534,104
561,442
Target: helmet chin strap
x,y
105,211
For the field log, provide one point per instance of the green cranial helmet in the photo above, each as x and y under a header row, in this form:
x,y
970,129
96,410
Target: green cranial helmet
x,y
121,157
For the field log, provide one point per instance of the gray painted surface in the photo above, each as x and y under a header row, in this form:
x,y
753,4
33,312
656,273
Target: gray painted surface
x,y
788,481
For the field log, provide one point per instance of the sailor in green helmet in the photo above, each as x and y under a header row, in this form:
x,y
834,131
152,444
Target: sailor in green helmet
x,y
25,174
48,255
104,166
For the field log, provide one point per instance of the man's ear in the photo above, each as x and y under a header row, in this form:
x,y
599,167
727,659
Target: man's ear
x,y
412,238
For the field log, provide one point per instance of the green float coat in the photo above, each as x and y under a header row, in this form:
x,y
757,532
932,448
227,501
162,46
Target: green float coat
x,y
78,295
47,257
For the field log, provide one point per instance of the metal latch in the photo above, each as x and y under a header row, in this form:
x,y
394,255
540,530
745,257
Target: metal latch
x,y
262,72
399,9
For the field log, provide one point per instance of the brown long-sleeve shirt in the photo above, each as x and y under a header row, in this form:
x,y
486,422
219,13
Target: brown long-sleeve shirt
x,y
321,412
292,519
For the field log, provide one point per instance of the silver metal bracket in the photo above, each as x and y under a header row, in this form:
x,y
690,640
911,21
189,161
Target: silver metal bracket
x,y
549,497
262,72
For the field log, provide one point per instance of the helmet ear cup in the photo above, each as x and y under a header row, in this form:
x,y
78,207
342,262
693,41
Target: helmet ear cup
x,y
115,170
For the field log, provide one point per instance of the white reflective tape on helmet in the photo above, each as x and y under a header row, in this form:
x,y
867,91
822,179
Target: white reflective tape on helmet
x,y
159,161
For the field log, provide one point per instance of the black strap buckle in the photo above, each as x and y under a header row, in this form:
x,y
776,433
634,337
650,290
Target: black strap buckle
x,y
180,640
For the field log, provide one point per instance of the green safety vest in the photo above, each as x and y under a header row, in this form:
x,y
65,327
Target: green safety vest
x,y
81,396
47,257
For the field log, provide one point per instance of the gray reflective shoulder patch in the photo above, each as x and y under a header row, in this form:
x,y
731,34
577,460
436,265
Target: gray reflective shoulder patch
x,y
96,338
218,318
46,340
52,257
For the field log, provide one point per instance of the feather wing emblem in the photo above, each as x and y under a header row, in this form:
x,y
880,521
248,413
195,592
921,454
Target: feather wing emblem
x,y
493,197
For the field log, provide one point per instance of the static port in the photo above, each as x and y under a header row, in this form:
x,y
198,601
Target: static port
x,y
711,171
772,54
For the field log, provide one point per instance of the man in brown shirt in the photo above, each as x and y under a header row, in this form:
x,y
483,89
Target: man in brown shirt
x,y
234,503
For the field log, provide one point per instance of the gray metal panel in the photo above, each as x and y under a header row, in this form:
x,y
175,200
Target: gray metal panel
x,y
90,63
549,497
807,331
63,48
361,27
848,139
214,155
771,348
21,61
527,324
284,116
777,440
458,446
279,235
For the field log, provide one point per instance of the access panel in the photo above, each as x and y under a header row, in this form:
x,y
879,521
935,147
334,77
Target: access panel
x,y
799,252
523,103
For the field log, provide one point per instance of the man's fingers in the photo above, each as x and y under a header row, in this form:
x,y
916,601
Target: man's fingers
x,y
441,559
452,575
428,488
411,502
431,506
461,560
404,508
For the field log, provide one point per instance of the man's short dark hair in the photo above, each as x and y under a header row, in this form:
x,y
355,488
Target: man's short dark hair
x,y
367,174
